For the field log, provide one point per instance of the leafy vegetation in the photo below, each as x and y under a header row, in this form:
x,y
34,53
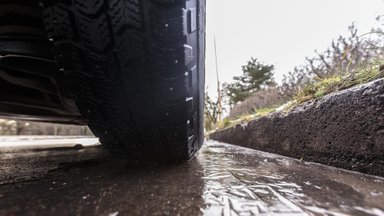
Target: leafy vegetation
x,y
326,85
266,98
349,61
316,89
256,76
228,122
212,112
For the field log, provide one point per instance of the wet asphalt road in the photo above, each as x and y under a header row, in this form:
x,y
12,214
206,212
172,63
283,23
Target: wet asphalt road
x,y
222,180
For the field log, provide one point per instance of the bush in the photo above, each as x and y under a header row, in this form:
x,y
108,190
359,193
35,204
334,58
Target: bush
x,y
267,98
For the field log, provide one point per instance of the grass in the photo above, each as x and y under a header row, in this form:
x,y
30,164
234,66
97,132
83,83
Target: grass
x,y
227,122
319,88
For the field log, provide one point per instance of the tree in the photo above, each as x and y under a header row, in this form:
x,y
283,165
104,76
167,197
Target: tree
x,y
212,111
256,76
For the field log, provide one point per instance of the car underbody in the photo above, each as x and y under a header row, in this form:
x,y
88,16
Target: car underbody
x,y
31,84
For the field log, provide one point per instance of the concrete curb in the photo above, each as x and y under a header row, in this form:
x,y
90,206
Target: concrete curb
x,y
344,129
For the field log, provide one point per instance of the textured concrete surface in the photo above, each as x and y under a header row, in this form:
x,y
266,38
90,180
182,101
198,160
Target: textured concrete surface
x,y
221,180
344,129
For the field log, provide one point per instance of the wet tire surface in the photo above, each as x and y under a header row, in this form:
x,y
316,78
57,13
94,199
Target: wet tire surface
x,y
136,71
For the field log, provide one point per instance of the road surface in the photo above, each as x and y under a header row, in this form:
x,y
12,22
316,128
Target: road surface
x,y
221,180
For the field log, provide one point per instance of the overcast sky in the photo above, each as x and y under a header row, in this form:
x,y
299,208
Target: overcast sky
x,y
279,32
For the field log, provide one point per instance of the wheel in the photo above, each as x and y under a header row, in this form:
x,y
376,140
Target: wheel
x,y
136,71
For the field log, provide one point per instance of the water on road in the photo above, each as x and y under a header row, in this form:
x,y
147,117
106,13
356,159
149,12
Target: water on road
x,y
221,180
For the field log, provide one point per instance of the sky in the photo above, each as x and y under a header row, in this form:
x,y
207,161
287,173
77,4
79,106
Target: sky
x,y
278,32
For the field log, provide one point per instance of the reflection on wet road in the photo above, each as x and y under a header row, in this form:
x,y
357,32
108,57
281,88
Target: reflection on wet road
x,y
240,181
221,180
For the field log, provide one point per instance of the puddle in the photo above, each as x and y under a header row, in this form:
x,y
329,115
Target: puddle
x,y
240,181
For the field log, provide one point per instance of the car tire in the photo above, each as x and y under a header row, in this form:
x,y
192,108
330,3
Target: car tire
x,y
136,71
